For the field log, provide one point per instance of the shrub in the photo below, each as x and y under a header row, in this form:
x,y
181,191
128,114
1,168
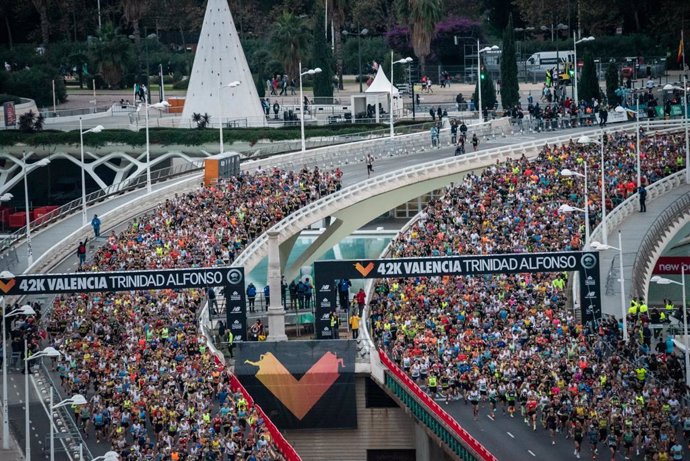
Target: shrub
x,y
181,85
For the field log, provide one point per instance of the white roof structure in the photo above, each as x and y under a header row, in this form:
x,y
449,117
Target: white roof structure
x,y
220,60
381,84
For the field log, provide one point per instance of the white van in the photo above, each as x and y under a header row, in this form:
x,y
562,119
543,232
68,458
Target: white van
x,y
545,60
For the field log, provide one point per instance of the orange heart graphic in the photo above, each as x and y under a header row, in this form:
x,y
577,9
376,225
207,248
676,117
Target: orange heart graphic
x,y
298,396
6,287
364,270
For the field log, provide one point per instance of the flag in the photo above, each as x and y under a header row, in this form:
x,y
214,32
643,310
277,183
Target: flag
x,y
681,50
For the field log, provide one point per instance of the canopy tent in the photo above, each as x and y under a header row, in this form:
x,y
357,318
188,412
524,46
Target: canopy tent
x,y
377,95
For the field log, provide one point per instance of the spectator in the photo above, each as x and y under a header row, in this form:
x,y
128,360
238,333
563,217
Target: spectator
x,y
251,296
96,224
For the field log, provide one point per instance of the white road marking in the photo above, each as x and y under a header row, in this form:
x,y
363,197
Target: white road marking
x,y
511,435
490,417
531,453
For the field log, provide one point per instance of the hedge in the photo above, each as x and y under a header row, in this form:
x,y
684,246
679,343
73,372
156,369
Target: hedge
x,y
184,137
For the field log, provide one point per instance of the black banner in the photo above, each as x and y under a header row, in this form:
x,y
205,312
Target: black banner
x,y
36,284
301,384
586,263
236,312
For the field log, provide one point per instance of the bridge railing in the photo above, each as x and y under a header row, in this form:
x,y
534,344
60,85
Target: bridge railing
x,y
351,194
74,206
430,413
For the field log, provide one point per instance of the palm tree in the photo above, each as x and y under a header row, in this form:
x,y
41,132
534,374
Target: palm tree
x,y
422,16
289,42
338,10
112,54
42,8
133,11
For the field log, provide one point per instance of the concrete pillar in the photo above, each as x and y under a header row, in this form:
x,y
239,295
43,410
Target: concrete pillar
x,y
276,311
421,443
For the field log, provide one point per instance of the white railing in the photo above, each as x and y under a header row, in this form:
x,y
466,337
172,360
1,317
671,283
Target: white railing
x,y
330,204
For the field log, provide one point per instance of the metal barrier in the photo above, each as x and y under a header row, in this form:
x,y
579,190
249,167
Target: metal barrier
x,y
74,206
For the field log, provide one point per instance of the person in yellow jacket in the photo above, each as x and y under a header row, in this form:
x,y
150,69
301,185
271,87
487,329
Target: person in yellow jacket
x,y
354,324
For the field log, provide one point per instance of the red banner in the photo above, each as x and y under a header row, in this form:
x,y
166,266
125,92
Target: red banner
x,y
672,265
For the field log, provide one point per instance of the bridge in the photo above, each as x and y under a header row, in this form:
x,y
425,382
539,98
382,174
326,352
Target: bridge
x,y
51,242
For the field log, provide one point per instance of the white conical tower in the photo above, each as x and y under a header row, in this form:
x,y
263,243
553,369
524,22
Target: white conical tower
x,y
220,60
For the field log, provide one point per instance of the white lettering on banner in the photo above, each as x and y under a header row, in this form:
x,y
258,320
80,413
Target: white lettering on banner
x,y
480,265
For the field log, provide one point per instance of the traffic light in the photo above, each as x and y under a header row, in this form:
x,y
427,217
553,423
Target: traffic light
x,y
571,71
482,73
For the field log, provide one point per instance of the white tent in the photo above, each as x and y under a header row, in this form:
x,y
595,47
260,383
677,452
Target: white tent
x,y
220,60
378,93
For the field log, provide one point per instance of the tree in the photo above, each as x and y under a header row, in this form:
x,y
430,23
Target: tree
x,y
42,8
612,84
112,54
289,41
510,90
321,57
488,90
339,10
422,16
588,85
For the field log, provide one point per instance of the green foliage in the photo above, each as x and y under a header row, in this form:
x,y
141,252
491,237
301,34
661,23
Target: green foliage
x,y
201,121
510,90
588,84
321,57
488,91
181,85
36,84
113,55
30,122
9,98
182,137
373,49
289,38
612,83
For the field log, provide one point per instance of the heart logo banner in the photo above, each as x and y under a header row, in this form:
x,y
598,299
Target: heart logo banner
x,y
301,384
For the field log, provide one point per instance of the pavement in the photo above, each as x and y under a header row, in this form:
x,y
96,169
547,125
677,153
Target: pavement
x,y
509,439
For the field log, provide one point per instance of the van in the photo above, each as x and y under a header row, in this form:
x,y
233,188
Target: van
x,y
545,60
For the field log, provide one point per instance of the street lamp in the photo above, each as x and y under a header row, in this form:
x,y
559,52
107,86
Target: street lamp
x,y
96,129
109,456
24,310
301,99
158,106
665,281
76,399
479,76
669,87
585,140
406,60
359,51
566,172
234,84
600,246
575,43
40,163
47,352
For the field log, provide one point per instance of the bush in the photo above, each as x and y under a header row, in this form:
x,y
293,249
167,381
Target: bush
x,y
9,98
181,85
36,83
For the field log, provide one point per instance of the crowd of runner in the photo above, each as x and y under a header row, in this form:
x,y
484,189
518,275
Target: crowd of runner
x,y
507,344
155,391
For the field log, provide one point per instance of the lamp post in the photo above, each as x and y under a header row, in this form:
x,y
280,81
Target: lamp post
x,y
40,163
24,310
301,99
359,52
585,140
601,246
406,60
158,106
575,43
47,352
76,399
665,281
96,129
479,76
566,172
234,84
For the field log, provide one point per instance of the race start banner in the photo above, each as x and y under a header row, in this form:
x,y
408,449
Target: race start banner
x,y
327,272
230,278
301,384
